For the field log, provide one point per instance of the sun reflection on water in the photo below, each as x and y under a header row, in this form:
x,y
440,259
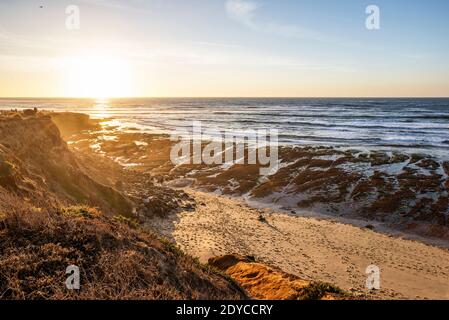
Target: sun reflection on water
x,y
101,108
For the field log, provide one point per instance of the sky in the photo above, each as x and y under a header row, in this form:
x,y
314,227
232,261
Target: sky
x,y
223,48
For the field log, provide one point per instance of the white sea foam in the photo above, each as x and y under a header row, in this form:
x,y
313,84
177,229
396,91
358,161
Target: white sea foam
x,y
412,125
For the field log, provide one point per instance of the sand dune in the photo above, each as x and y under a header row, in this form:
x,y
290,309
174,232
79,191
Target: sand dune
x,y
313,249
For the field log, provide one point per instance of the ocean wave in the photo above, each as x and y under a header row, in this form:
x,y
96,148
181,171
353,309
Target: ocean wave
x,y
407,123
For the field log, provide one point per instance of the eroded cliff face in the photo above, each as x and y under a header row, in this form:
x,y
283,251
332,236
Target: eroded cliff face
x,y
36,164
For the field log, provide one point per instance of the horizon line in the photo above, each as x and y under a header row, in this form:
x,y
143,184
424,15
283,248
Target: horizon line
x,y
231,97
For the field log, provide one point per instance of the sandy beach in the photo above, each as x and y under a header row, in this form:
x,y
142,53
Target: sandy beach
x,y
313,249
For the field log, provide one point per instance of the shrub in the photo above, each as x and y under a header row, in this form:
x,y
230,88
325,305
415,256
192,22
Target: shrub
x,y
116,261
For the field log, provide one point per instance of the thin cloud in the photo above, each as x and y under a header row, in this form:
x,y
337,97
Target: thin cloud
x,y
244,11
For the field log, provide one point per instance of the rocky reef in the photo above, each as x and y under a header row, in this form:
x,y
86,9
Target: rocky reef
x,y
405,191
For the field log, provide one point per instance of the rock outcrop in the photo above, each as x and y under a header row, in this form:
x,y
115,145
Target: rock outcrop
x,y
36,164
268,283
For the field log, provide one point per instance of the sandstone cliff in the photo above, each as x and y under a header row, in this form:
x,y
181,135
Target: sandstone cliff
x,y
36,164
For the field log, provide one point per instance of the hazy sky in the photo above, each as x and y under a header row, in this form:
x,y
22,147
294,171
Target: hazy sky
x,y
224,48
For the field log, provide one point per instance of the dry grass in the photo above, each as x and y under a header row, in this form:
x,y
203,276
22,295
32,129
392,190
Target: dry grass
x,y
116,261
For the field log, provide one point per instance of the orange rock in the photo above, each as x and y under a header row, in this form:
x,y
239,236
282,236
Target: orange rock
x,y
268,283
263,282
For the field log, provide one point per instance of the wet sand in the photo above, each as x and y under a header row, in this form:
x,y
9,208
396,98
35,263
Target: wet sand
x,y
310,248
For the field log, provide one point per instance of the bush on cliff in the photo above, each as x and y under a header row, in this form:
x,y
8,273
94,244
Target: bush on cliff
x,y
116,261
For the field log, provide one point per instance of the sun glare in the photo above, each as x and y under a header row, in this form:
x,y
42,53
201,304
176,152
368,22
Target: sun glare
x,y
98,76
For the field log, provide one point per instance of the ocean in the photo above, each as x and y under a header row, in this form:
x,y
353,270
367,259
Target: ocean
x,y
406,124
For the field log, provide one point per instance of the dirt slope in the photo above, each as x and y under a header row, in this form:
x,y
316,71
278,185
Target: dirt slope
x,y
36,164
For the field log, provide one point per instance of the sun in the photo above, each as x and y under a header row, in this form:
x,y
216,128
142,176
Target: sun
x,y
97,76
